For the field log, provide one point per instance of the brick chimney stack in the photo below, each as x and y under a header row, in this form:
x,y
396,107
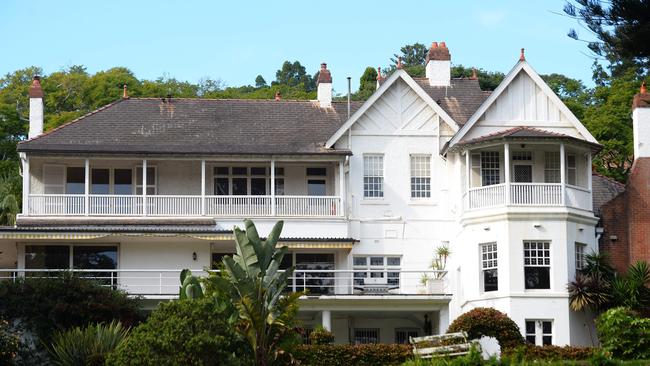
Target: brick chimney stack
x,y
641,123
35,108
438,65
324,87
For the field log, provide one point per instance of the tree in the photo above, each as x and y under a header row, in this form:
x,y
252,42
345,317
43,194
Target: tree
x,y
367,84
294,75
10,191
622,28
411,54
488,80
260,82
253,275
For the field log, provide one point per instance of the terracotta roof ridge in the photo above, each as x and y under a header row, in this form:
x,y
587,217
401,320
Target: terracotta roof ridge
x,y
233,99
102,108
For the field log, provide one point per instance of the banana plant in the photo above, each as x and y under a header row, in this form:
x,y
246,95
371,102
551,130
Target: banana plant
x,y
190,286
265,311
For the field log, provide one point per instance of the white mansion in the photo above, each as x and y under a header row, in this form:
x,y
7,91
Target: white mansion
x,y
141,188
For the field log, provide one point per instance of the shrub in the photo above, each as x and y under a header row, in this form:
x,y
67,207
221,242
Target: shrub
x,y
9,344
47,305
624,334
183,332
352,355
529,352
86,346
491,323
321,335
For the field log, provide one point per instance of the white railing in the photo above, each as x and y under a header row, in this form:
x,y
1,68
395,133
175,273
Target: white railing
x,y
166,282
184,205
307,206
536,194
56,204
579,197
488,196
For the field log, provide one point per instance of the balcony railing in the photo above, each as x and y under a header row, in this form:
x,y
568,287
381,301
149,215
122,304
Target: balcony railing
x,y
183,205
528,194
166,282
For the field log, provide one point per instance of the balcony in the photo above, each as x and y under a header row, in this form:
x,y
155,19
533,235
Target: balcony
x,y
528,194
165,283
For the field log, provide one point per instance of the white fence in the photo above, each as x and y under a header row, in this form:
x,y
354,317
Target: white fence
x,y
536,194
184,205
166,282
488,196
528,194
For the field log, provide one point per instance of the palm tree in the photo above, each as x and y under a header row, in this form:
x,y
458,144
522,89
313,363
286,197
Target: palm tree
x,y
9,207
632,289
254,276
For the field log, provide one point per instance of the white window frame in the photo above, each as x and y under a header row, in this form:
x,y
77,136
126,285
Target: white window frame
x,y
279,178
420,177
149,185
61,184
580,253
484,156
379,271
316,177
521,158
539,333
71,247
376,171
572,170
489,260
533,260
475,179
552,167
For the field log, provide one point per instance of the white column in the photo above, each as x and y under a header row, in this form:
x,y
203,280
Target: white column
x,y
506,160
272,186
468,168
203,187
342,190
26,183
563,174
86,186
443,320
589,182
144,187
327,320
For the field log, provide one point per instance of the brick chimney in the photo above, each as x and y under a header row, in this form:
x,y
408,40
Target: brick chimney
x,y
641,123
35,108
324,85
438,65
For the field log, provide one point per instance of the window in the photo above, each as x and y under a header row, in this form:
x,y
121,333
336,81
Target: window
x,y
47,257
475,178
315,282
552,167
537,264
151,180
244,181
59,257
366,335
539,332
580,255
420,176
123,181
522,166
489,267
571,169
522,156
317,172
75,180
377,267
490,168
54,179
373,176
402,335
100,181
316,186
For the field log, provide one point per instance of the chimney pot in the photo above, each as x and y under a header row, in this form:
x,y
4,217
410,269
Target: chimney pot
x,y
125,93
379,74
443,45
643,88
474,76
35,108
434,45
35,90
278,96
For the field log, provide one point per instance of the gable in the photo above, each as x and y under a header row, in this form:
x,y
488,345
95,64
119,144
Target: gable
x,y
399,110
523,99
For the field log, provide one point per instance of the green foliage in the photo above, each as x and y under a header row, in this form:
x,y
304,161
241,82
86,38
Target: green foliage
x,y
86,346
9,344
489,322
260,82
320,336
367,84
10,194
184,332
50,304
624,334
529,352
190,286
488,80
632,289
352,355
253,275
295,75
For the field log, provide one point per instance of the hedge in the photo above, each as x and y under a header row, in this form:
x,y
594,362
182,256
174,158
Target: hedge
x,y
352,355
529,352
624,334
491,323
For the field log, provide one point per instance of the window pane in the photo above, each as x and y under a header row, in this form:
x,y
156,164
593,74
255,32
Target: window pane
x,y
221,186
373,176
221,170
490,168
94,257
546,327
537,277
239,187
279,186
376,261
317,171
490,280
364,336
530,339
316,187
279,171
420,176
530,326
47,257
393,261
151,176
258,171
360,261
239,171
258,186
100,179
75,180
547,340
123,181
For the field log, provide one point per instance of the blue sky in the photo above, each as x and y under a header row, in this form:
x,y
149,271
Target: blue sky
x,y
236,40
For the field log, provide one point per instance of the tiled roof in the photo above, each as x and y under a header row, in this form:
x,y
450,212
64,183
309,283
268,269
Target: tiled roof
x,y
523,132
604,189
460,100
198,126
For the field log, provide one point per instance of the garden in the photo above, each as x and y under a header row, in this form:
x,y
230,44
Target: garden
x,y
243,316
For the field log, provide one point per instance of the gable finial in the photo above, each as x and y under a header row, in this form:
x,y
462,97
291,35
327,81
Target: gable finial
x,y
379,77
643,89
474,76
125,93
399,62
522,57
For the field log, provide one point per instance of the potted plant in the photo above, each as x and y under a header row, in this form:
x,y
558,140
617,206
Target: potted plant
x,y
433,284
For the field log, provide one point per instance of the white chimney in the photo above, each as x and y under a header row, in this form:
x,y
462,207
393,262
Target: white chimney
x,y
324,85
438,65
641,123
35,108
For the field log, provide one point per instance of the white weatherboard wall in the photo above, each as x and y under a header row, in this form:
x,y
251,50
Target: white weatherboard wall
x,y
523,103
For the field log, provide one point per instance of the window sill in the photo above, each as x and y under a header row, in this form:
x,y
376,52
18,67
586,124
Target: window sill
x,y
422,202
380,202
